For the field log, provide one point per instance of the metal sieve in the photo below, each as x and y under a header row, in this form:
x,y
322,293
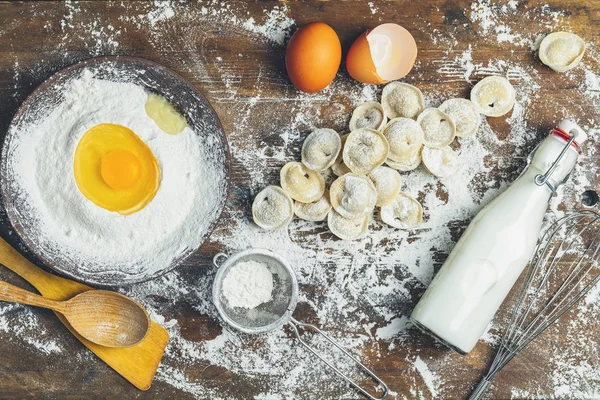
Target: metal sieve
x,y
277,312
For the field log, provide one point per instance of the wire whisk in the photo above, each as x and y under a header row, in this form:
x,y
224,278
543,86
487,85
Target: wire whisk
x,y
563,269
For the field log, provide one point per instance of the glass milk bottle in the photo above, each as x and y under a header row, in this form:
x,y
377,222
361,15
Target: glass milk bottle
x,y
489,257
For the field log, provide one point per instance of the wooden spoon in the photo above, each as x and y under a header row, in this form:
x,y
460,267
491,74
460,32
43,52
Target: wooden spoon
x,y
103,317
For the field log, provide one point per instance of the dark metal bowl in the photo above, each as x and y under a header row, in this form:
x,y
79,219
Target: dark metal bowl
x,y
200,115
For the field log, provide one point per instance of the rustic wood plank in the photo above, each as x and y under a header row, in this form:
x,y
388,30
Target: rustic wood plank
x,y
228,63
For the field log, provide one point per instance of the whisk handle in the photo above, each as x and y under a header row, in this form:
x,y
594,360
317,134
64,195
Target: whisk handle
x,y
297,325
480,389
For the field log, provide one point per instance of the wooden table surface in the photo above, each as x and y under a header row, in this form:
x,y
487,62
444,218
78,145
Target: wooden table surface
x,y
241,71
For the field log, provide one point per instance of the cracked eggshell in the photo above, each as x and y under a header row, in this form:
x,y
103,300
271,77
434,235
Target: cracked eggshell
x,y
381,55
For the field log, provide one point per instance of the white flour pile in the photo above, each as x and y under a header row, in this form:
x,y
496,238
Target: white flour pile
x,y
64,222
364,298
248,284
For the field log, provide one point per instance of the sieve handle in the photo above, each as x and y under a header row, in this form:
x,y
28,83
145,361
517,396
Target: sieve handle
x,y
218,259
296,325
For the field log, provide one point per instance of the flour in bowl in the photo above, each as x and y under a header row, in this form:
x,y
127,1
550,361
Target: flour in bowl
x,y
66,227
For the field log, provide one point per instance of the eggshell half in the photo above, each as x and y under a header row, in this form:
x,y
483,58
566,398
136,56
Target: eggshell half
x,y
383,54
359,62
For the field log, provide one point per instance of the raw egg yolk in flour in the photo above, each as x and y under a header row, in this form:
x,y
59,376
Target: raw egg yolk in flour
x,y
115,169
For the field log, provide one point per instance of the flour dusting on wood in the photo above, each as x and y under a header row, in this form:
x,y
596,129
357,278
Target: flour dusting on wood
x,y
359,292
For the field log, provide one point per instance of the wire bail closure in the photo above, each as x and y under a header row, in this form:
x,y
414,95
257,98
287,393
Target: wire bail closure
x,y
544,179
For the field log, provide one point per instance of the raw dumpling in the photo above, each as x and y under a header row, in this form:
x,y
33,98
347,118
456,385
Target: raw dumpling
x,y
405,138
387,183
493,96
441,162
407,165
272,208
463,113
402,100
347,229
321,148
315,211
301,183
368,115
403,213
339,168
365,150
353,196
562,51
438,128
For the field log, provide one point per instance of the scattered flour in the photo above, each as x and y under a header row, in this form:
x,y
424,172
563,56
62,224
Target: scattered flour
x,y
430,379
365,298
162,12
276,26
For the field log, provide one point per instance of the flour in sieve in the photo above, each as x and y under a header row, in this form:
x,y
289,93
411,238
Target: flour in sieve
x,y
248,284
63,222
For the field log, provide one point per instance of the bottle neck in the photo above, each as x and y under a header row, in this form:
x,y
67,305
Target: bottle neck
x,y
547,153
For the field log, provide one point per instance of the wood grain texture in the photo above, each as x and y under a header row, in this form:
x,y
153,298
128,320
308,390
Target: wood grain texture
x,y
137,364
242,74
14,294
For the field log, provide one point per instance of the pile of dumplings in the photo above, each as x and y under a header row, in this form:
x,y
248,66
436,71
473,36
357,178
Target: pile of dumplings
x,y
367,161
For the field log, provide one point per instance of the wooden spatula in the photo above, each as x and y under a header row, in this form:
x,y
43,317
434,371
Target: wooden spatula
x,y
137,364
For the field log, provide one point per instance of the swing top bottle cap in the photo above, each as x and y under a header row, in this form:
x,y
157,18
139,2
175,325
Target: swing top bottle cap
x,y
572,128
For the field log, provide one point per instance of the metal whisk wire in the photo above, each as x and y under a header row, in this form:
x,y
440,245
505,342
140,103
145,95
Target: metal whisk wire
x,y
536,310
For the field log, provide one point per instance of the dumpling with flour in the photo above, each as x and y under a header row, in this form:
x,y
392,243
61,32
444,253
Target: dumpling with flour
x,y
365,150
404,212
353,195
562,51
402,100
272,208
464,114
347,228
438,128
315,211
301,183
405,139
441,162
493,96
321,148
368,115
387,183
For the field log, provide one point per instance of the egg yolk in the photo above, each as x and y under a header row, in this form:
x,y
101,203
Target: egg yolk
x,y
115,169
120,169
